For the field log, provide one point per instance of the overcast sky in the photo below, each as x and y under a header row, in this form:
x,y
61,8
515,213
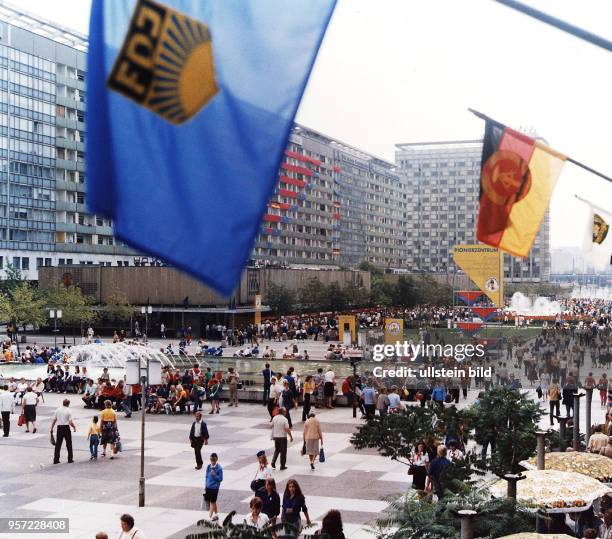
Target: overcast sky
x,y
406,71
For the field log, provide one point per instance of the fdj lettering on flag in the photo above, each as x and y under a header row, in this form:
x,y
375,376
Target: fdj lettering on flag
x,y
518,177
190,108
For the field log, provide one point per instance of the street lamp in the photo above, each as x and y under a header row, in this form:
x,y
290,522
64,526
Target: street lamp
x,y
55,315
149,374
146,311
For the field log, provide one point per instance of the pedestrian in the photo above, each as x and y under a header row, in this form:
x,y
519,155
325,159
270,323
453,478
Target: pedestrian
x,y
198,437
418,467
267,376
29,403
436,471
214,390
128,530
312,436
369,399
214,476
62,417
263,472
7,403
257,519
331,526
602,385
382,402
270,500
93,435
294,504
232,380
287,400
274,397
308,390
319,380
280,431
110,432
554,397
328,387
162,330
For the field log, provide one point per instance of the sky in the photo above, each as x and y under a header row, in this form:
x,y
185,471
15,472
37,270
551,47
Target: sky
x,y
393,71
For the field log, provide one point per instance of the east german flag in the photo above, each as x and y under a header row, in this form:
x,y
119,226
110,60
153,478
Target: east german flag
x,y
517,179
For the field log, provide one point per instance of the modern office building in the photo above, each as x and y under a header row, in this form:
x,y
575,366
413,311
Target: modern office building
x,y
443,179
334,206
43,221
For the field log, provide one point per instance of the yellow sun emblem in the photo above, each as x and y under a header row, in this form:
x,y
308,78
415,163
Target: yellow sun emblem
x,y
166,63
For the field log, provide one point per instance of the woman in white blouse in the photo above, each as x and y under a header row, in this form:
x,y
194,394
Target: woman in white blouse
x,y
257,519
420,463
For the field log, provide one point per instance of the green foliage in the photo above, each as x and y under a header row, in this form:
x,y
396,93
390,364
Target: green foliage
x,y
410,517
512,419
280,299
311,295
75,307
117,307
13,277
212,530
395,435
374,270
25,305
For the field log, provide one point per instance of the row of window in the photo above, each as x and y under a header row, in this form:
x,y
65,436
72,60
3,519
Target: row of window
x,y
26,59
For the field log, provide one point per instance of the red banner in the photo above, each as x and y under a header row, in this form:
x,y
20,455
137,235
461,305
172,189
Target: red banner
x,y
484,312
469,296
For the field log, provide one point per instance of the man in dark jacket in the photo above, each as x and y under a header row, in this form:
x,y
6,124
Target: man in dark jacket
x,y
569,389
198,436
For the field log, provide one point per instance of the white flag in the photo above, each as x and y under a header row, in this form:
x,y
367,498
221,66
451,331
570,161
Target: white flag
x,y
598,238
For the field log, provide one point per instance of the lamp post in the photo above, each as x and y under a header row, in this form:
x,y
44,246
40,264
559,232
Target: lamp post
x,y
55,315
145,375
146,311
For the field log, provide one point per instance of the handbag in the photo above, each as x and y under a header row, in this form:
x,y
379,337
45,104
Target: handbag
x,y
303,451
21,420
52,439
321,455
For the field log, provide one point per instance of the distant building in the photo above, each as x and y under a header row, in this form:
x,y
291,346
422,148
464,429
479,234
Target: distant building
x,y
43,220
334,205
443,182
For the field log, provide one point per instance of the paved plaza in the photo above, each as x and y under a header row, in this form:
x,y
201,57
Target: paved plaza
x,y
93,494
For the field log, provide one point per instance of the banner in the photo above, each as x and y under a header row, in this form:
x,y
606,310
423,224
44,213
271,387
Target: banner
x,y
598,238
257,304
485,267
469,327
485,313
468,297
394,330
190,109
517,179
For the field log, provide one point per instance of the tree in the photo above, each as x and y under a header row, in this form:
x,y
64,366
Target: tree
x,y
76,308
511,419
405,292
26,306
117,307
227,529
335,297
13,277
280,299
410,517
5,308
311,295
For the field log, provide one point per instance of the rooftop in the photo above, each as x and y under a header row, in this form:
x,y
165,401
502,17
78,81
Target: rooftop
x,y
43,27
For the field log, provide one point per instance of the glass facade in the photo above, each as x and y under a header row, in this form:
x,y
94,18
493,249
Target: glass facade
x,y
27,152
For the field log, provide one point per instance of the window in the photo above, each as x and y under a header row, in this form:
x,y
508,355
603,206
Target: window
x,y
61,261
25,263
69,261
80,239
119,263
16,262
1,262
48,262
39,262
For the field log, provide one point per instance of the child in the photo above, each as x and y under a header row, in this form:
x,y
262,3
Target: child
x,y
94,438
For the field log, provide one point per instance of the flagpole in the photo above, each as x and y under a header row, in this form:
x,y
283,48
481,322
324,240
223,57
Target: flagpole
x,y
590,203
567,158
576,31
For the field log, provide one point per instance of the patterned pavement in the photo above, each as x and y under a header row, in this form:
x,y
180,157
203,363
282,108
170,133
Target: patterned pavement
x,y
94,494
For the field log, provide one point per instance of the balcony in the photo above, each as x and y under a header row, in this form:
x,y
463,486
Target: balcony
x,y
94,249
64,163
70,82
63,205
63,185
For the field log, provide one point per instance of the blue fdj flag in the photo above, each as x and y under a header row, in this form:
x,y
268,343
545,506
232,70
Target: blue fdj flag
x,y
190,105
